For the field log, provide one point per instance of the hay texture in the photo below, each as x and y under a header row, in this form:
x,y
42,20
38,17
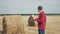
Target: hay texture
x,y
14,24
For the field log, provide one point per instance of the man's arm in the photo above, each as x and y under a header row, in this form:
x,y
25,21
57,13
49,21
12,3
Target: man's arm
x,y
41,18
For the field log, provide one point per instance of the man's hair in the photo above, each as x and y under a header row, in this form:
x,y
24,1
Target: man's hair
x,y
40,7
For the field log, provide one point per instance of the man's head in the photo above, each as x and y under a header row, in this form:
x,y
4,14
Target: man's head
x,y
40,8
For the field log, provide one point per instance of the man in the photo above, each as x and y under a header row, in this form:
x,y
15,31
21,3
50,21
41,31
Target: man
x,y
41,20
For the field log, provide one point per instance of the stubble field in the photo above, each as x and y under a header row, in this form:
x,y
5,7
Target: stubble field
x,y
52,25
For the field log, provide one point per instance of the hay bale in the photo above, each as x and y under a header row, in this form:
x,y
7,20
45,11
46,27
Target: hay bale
x,y
31,21
11,24
14,24
21,28
4,26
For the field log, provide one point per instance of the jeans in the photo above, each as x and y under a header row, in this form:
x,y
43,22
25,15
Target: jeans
x,y
41,31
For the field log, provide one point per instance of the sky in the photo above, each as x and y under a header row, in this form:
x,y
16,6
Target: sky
x,y
29,6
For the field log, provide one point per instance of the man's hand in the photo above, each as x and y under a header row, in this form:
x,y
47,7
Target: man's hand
x,y
35,19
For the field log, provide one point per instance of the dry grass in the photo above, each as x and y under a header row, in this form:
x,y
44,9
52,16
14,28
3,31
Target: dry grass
x,y
52,26
1,28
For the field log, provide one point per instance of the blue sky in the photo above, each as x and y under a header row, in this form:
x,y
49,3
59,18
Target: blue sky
x,y
29,6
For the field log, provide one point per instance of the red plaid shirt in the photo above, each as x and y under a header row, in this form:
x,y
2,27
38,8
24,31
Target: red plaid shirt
x,y
41,20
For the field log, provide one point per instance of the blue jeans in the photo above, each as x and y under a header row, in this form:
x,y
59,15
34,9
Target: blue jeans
x,y
41,31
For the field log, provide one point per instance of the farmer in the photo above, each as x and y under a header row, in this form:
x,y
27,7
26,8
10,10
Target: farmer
x,y
41,20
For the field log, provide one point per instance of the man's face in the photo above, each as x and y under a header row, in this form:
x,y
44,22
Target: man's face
x,y
38,10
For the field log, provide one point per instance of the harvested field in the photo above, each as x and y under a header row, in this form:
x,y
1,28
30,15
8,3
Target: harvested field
x,y
52,26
